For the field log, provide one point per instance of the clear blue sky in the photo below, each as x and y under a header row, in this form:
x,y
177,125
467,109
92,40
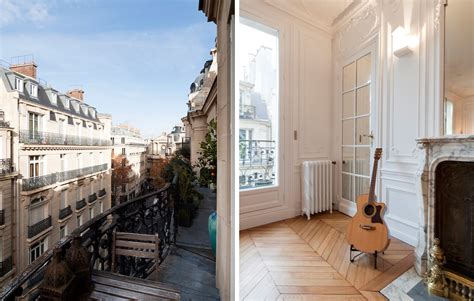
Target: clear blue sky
x,y
135,59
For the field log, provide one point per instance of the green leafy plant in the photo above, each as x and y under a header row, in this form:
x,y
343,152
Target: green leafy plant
x,y
186,177
207,162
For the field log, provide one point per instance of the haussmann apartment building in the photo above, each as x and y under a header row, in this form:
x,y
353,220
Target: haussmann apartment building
x,y
55,155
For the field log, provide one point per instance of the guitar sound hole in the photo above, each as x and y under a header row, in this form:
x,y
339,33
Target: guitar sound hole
x,y
369,210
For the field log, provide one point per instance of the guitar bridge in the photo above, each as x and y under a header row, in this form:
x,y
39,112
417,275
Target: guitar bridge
x,y
367,227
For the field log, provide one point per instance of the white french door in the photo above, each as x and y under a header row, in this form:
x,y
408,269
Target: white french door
x,y
357,120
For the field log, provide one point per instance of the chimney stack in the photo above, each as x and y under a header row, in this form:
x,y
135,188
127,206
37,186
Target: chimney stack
x,y
77,94
28,69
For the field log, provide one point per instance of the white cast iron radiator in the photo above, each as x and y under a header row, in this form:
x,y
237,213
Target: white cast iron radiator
x,y
317,186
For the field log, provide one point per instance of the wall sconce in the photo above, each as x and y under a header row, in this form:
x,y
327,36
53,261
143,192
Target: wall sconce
x,y
402,42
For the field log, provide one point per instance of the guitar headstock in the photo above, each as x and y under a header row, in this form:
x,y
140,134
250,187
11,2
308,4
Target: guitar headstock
x,y
378,153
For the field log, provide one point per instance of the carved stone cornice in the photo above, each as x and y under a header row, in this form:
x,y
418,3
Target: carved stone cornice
x,y
365,23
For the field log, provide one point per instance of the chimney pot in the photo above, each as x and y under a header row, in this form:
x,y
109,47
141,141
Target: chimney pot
x,y
27,69
76,94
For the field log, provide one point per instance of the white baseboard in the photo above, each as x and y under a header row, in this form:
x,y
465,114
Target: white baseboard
x,y
405,232
346,207
256,219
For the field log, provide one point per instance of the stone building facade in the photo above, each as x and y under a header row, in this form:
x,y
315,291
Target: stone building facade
x,y
130,150
60,147
202,103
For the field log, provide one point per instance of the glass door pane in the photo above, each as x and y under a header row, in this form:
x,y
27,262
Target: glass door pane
x,y
258,105
356,132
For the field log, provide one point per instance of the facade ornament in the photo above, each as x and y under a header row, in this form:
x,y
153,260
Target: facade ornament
x,y
57,281
78,259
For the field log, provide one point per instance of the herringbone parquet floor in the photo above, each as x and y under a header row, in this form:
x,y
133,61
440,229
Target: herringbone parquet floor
x,y
297,259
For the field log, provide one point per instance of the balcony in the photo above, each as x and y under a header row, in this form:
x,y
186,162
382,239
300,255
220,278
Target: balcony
x,y
39,227
6,266
32,137
102,192
2,217
6,166
92,198
247,112
37,182
3,123
256,162
80,204
151,213
65,212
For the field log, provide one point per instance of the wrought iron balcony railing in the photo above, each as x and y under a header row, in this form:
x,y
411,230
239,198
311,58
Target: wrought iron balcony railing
x,y
39,227
247,112
257,161
256,153
81,204
6,266
102,192
38,137
37,182
6,166
148,214
93,198
65,212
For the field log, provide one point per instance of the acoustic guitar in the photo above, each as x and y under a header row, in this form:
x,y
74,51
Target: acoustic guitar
x,y
367,231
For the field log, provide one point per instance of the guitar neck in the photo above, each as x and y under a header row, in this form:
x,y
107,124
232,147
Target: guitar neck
x,y
372,182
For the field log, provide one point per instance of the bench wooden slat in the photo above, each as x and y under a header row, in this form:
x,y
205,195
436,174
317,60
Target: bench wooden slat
x,y
134,244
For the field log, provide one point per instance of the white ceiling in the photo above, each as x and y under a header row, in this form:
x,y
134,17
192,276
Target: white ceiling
x,y
459,56
318,12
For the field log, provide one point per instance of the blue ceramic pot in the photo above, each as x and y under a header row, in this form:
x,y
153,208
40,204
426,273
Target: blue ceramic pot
x,y
212,227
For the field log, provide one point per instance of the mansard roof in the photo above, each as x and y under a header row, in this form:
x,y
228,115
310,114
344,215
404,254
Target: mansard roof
x,y
64,103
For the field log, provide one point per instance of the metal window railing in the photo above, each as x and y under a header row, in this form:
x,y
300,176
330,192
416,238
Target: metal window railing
x,y
41,181
38,137
6,166
247,112
92,198
39,227
2,217
80,204
102,192
6,266
65,212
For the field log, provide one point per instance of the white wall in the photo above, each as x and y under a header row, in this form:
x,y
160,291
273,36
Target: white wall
x,y
305,107
407,98
406,95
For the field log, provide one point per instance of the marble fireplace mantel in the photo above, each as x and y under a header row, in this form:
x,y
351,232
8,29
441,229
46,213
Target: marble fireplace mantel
x,y
433,151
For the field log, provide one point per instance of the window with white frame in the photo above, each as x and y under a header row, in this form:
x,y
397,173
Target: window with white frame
x,y
63,161
34,90
79,160
34,122
54,98
63,203
19,85
101,204
258,74
91,212
123,151
37,214
37,249
62,231
36,164
79,220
